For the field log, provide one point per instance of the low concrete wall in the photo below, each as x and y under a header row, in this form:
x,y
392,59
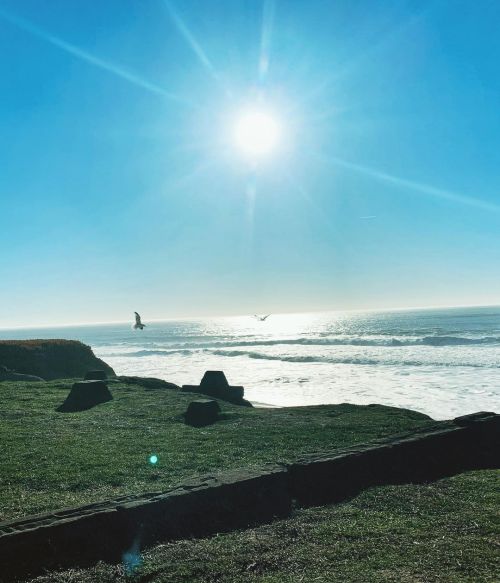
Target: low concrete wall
x,y
467,443
107,530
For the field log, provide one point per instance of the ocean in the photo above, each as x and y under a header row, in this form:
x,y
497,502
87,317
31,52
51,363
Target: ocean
x,y
442,362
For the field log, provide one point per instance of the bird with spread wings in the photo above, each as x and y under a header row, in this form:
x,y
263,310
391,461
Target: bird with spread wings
x,y
261,318
138,324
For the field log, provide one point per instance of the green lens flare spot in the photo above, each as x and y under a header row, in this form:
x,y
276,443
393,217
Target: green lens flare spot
x,y
153,459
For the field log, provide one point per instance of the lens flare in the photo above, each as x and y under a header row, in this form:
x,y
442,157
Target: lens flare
x,y
153,459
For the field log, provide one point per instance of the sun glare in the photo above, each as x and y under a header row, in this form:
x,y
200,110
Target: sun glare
x,y
256,133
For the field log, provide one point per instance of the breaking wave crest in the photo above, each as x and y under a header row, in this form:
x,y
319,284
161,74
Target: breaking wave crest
x,y
339,360
139,353
326,359
391,342
458,341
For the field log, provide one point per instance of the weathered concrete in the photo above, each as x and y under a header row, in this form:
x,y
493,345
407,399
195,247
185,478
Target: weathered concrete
x,y
105,531
85,395
202,412
214,384
82,536
469,442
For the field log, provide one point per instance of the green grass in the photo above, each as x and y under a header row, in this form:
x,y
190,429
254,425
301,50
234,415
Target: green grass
x,y
51,460
39,342
447,531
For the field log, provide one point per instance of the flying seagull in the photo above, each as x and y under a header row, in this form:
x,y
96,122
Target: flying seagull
x,y
138,324
261,318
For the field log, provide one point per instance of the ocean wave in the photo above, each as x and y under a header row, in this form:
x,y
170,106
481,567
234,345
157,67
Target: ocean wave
x,y
458,340
360,341
436,341
341,360
142,353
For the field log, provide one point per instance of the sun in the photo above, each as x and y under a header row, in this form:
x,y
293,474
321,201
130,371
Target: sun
x,y
256,133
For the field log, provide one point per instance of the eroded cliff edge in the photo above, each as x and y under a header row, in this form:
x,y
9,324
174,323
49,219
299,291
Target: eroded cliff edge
x,y
50,359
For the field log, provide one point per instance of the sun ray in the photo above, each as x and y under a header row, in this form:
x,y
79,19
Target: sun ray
x,y
197,171
191,40
73,50
412,185
357,60
268,11
321,214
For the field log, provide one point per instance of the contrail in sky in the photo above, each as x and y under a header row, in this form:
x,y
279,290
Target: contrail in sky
x,y
73,50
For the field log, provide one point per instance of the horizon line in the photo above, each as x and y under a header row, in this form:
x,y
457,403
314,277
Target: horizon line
x,y
181,318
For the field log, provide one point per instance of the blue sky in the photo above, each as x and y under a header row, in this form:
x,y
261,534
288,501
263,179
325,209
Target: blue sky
x,y
122,188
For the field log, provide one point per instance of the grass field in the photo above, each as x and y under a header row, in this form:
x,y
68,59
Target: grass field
x,y
51,460
447,532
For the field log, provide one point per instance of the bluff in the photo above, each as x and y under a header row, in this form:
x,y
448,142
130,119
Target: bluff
x,y
50,359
